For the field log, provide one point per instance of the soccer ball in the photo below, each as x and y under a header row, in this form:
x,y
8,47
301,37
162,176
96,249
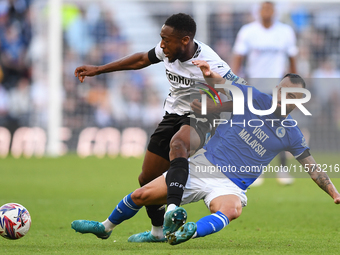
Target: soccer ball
x,y
15,221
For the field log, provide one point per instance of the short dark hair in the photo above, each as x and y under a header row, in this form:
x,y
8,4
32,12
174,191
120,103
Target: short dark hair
x,y
295,79
269,2
182,23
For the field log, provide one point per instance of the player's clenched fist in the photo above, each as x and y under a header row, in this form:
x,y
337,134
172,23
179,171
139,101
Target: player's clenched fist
x,y
87,70
337,200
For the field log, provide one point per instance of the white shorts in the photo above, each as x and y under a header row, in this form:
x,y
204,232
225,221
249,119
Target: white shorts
x,y
206,185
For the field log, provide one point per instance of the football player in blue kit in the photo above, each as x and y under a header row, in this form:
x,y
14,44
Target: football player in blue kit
x,y
221,172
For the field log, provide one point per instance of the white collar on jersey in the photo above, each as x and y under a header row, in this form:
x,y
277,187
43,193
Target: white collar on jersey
x,y
198,51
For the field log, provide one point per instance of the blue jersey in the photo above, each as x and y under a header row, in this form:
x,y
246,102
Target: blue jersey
x,y
241,150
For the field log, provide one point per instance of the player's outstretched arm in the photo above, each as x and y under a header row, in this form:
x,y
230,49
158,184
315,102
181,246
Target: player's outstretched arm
x,y
132,62
320,177
211,78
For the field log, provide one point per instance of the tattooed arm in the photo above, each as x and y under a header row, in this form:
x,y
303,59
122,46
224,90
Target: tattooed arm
x,y
320,178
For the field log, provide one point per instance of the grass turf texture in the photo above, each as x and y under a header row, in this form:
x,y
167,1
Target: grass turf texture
x,y
298,219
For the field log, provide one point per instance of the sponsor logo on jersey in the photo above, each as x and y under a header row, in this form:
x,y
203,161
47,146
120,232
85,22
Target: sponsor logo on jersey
x,y
179,79
255,143
268,50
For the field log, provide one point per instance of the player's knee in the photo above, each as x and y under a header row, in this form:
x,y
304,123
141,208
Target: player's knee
x,y
146,177
232,212
230,208
177,144
142,179
139,196
178,148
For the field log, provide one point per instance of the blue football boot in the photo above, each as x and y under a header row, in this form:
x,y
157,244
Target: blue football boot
x,y
94,227
145,237
183,234
173,220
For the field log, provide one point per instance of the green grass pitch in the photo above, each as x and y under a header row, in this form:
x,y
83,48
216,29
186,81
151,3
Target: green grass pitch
x,y
297,219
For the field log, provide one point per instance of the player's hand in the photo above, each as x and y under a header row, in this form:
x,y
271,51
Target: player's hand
x,y
196,106
337,200
82,71
204,66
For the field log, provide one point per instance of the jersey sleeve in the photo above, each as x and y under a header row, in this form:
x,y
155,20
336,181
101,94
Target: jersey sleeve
x,y
220,67
292,49
298,144
159,52
230,77
241,45
152,56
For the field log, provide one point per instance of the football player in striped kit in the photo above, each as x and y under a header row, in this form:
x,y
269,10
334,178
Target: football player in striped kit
x,y
180,133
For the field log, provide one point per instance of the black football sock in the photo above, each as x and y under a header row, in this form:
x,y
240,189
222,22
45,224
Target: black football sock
x,y
283,158
176,179
156,214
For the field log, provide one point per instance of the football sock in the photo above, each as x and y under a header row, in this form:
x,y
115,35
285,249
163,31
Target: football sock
x,y
211,224
171,207
124,210
283,158
156,214
176,179
109,226
157,232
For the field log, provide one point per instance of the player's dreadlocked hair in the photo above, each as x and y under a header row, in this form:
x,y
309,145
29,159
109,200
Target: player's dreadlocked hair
x,y
183,24
295,79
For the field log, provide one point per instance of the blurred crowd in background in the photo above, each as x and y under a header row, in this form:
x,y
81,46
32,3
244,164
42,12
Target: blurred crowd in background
x,y
92,35
15,65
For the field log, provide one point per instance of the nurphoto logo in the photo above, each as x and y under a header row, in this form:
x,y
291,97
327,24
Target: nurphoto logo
x,y
239,102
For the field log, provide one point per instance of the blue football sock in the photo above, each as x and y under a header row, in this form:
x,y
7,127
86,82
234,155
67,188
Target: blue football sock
x,y
124,210
211,224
